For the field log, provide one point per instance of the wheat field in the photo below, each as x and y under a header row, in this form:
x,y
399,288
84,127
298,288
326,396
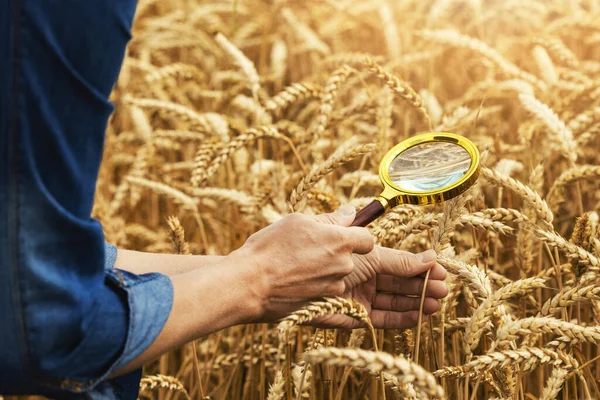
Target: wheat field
x,y
232,114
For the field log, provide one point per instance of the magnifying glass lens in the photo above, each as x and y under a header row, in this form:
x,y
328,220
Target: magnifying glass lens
x,y
423,169
429,166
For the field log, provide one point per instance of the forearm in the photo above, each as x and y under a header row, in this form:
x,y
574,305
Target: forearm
x,y
206,300
166,264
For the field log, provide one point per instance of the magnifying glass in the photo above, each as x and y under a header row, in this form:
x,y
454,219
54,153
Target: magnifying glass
x,y
424,169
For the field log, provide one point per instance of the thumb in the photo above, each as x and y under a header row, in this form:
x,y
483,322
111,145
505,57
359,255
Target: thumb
x,y
342,216
405,264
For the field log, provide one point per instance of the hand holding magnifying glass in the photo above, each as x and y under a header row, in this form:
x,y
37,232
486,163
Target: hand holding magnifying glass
x,y
424,169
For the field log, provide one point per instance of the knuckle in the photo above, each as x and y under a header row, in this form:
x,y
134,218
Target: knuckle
x,y
366,240
296,218
371,242
397,282
416,303
348,266
405,262
387,319
340,238
328,218
420,285
251,239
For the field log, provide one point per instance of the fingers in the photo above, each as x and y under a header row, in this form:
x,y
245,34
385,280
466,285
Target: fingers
x,y
343,216
359,239
438,272
411,286
390,302
404,263
394,320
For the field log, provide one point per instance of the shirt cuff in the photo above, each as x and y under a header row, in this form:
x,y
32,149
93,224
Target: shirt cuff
x,y
147,300
150,299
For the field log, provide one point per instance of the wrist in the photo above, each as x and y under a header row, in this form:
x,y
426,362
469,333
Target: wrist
x,y
251,284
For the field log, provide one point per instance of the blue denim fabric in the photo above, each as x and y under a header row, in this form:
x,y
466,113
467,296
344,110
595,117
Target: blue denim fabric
x,y
67,317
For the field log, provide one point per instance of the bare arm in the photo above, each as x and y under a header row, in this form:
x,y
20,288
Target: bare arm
x,y
167,264
205,299
277,271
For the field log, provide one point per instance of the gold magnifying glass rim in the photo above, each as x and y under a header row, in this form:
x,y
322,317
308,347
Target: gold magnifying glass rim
x,y
393,195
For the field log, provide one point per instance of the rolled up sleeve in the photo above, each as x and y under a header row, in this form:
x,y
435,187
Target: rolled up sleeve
x,y
149,302
148,299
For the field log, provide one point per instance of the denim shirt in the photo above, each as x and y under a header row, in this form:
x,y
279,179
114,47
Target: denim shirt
x,y
68,318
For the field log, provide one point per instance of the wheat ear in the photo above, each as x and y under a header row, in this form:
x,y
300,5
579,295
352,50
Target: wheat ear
x,y
376,363
250,136
292,94
243,63
554,384
399,87
569,296
338,159
177,236
480,318
566,331
454,38
163,382
525,192
332,87
276,390
556,194
195,120
317,309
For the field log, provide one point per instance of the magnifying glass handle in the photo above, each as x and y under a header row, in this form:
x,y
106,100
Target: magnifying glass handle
x,y
368,214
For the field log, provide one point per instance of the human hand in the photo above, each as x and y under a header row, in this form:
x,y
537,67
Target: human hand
x,y
301,258
389,283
